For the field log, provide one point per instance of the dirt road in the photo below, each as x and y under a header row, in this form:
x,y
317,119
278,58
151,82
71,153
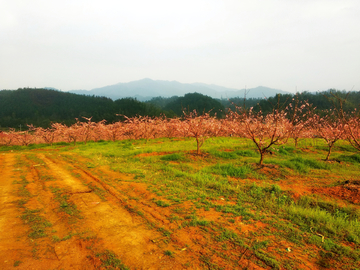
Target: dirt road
x,y
57,214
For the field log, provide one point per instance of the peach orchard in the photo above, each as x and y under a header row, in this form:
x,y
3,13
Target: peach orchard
x,y
264,130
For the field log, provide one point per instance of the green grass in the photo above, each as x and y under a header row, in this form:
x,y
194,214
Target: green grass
x,y
33,218
268,260
55,238
169,253
162,203
285,150
355,158
229,235
233,154
232,170
337,225
65,205
37,223
194,221
300,164
224,155
246,153
225,180
17,263
173,157
35,159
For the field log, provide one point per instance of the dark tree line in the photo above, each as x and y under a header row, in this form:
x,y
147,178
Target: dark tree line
x,y
41,107
319,100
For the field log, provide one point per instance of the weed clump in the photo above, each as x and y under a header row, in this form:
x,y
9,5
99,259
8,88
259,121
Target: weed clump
x,y
110,260
162,203
169,253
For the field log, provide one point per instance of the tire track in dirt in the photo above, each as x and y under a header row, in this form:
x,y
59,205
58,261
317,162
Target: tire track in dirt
x,y
17,248
122,232
13,239
192,245
112,222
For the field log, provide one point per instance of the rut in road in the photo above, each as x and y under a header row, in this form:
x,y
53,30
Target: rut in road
x,y
12,241
126,234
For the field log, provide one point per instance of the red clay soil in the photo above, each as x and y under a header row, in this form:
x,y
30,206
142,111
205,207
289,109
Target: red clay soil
x,y
154,154
102,225
110,212
348,191
124,220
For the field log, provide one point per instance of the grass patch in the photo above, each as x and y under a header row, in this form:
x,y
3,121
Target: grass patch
x,y
286,150
229,235
169,253
35,159
162,203
65,205
224,155
22,190
246,153
37,223
355,158
336,225
301,165
17,263
267,259
173,157
194,221
232,170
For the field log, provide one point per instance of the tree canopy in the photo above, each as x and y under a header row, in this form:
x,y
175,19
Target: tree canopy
x,y
195,101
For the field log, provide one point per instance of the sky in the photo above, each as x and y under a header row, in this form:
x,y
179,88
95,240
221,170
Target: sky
x,y
291,45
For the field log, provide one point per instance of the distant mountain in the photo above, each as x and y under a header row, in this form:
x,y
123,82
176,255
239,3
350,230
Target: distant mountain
x,y
146,89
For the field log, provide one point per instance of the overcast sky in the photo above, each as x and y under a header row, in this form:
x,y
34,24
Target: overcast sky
x,y
83,44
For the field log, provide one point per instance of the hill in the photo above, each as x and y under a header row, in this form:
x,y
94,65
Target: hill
x,y
40,107
195,101
146,89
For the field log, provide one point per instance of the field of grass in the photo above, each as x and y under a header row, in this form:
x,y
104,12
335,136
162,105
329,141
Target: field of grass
x,y
141,204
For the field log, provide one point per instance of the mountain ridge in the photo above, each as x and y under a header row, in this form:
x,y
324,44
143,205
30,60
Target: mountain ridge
x,y
146,89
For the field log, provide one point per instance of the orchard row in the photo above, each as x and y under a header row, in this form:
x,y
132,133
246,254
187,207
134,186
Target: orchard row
x,y
276,128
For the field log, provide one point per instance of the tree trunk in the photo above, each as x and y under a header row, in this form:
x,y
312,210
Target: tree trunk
x,y
329,152
262,153
198,146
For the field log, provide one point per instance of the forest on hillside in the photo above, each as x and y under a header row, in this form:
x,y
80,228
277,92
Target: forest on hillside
x,y
41,107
